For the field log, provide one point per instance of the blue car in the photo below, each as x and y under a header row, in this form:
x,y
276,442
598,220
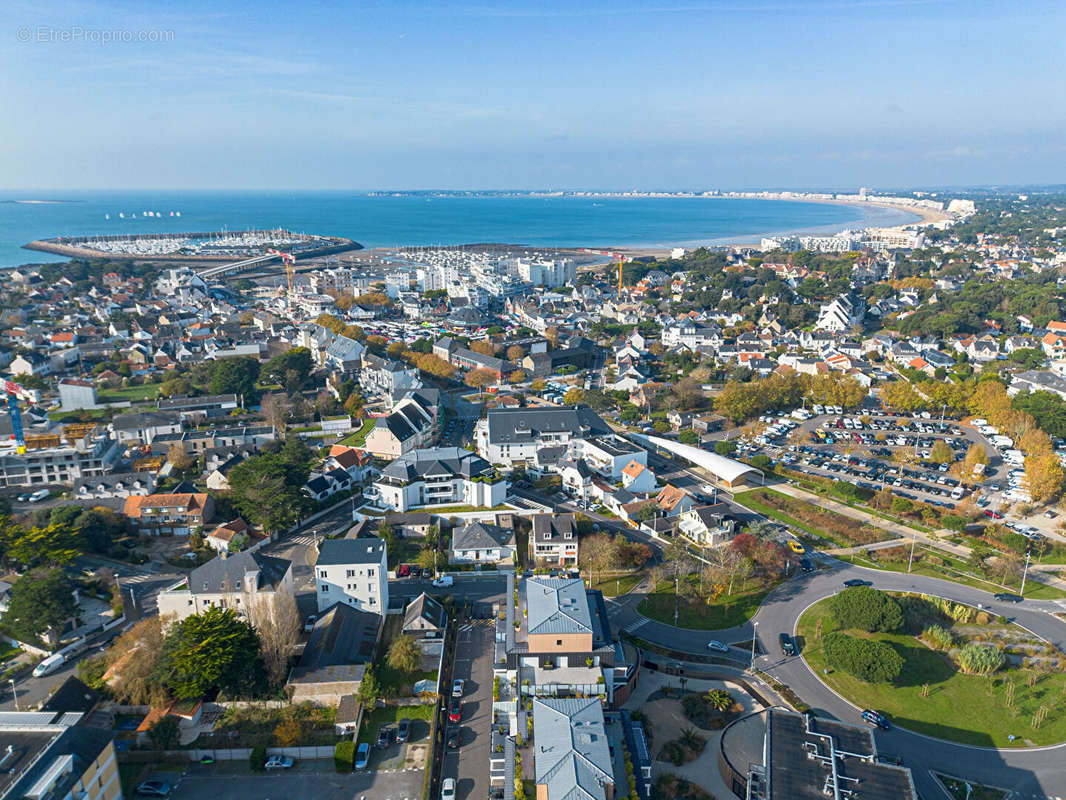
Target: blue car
x,y
362,755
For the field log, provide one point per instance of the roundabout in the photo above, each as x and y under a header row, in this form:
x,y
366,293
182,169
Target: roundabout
x,y
1032,772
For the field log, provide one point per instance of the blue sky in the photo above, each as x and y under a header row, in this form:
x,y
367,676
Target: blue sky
x,y
582,94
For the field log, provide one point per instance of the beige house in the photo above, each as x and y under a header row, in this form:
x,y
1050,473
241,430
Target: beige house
x,y
236,581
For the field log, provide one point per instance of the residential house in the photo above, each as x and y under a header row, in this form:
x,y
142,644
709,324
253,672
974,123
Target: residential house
x,y
708,526
114,485
673,501
353,572
554,540
483,543
407,427
424,618
235,580
169,514
638,478
236,536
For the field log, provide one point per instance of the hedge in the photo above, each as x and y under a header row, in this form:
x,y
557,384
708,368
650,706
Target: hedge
x,y
866,609
344,756
867,660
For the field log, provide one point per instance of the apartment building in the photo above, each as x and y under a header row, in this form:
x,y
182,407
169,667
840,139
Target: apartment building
x,y
573,756
513,436
76,451
438,476
354,572
51,756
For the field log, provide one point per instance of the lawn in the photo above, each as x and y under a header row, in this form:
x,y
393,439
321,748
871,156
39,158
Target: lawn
x,y
819,522
135,394
619,584
962,708
726,612
964,790
358,438
951,569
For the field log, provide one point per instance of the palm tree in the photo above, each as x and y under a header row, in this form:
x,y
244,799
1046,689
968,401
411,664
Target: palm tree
x,y
719,699
689,739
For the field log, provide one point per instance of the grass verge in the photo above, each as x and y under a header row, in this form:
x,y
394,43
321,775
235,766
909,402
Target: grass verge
x,y
725,612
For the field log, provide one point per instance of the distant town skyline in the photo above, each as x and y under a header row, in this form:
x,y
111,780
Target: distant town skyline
x,y
453,96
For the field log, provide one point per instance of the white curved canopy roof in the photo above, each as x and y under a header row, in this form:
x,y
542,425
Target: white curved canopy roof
x,y
724,468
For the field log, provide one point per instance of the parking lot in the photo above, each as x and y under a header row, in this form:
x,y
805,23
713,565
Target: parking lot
x,y
318,779
469,763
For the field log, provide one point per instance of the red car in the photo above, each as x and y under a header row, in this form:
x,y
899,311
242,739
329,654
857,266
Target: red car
x,y
455,710
993,514
403,571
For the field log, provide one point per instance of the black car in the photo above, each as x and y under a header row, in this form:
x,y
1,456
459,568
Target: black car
x,y
876,718
403,730
788,646
852,582
453,738
384,737
806,565
1007,597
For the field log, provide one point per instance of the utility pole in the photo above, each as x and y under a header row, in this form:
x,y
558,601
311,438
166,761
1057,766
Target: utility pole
x,y
911,559
1025,572
754,638
14,693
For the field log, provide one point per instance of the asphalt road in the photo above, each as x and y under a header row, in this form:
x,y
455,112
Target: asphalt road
x,y
1034,772
469,765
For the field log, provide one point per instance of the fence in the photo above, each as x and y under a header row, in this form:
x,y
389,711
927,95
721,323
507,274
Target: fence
x,y
224,754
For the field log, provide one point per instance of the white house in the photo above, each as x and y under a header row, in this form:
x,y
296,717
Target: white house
x,y
438,476
483,543
354,572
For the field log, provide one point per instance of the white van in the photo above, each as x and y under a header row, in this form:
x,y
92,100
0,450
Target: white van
x,y
39,495
49,665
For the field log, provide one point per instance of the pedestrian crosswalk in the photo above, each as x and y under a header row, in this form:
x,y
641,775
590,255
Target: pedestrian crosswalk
x,y
306,539
638,624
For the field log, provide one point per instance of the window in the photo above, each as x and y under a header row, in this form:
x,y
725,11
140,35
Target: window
x,y
370,573
322,573
350,573
559,642
205,586
370,588
324,587
373,602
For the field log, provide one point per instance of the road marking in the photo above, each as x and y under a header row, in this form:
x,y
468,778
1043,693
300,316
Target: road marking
x,y
638,624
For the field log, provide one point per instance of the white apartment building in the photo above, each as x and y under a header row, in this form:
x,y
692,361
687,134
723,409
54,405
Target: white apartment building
x,y
354,572
549,273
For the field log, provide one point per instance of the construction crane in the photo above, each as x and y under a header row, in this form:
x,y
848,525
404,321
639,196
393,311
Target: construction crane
x,y
289,259
621,259
14,392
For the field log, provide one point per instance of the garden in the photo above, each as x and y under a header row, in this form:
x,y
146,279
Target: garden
x,y
938,668
818,522
698,614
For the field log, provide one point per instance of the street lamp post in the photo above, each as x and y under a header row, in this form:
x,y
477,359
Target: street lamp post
x,y
1025,572
754,638
911,559
14,693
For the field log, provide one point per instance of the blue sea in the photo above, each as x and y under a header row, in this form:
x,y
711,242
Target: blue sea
x,y
423,219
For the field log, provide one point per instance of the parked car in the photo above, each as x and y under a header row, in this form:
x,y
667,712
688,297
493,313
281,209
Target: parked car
x,y
796,547
852,582
453,737
154,788
447,789
384,737
717,646
1007,597
876,718
458,686
788,646
403,571
278,762
806,565
443,581
455,710
362,755
403,730
310,624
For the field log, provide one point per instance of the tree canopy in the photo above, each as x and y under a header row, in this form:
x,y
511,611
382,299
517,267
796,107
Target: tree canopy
x,y
866,609
41,599
215,649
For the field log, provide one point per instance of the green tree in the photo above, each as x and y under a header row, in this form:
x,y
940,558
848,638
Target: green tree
x,y
51,545
688,437
405,655
941,452
236,375
369,690
41,600
725,448
215,649
719,699
867,660
866,609
164,735
291,369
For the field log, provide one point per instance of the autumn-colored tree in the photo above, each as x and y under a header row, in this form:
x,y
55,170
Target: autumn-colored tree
x,y
289,732
941,452
515,353
518,376
485,348
573,396
479,378
538,385
1045,475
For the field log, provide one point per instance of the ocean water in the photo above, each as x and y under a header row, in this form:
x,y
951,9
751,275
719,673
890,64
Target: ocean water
x,y
385,221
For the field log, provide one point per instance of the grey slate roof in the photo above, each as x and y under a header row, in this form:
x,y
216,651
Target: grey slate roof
x,y
350,551
225,574
572,757
481,536
426,608
517,425
343,637
557,605
452,461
